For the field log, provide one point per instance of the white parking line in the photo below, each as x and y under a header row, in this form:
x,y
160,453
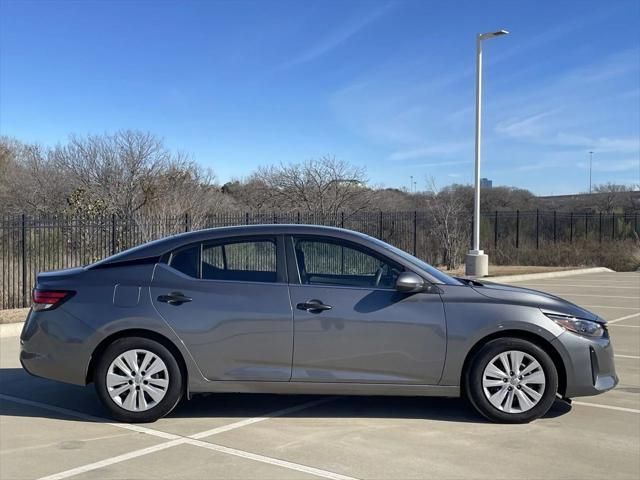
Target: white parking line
x,y
627,356
610,306
57,444
637,297
606,407
86,416
110,461
627,326
180,440
627,317
271,461
251,421
583,286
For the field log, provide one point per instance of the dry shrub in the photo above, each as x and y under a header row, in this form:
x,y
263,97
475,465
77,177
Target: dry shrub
x,y
620,255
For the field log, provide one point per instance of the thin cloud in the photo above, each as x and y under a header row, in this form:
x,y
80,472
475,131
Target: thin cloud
x,y
439,149
442,164
336,38
614,166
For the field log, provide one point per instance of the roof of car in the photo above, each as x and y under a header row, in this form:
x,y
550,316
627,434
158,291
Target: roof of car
x,y
156,248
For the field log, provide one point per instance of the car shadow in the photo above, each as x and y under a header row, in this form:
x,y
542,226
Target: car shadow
x,y
28,391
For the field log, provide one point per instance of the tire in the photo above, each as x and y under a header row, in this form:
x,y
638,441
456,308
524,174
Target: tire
x,y
511,398
144,398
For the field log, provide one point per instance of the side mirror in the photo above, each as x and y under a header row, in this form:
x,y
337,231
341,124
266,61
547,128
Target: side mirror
x,y
409,282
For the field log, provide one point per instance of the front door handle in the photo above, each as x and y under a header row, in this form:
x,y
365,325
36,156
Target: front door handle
x,y
174,298
313,306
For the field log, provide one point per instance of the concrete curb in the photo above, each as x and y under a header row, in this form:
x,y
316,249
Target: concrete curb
x,y
538,276
10,329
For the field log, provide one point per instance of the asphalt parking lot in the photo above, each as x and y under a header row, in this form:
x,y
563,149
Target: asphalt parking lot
x,y
53,430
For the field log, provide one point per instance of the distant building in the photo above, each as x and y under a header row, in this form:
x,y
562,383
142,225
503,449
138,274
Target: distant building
x,y
486,183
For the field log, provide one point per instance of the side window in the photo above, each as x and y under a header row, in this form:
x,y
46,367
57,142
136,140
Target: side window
x,y
186,260
322,262
248,261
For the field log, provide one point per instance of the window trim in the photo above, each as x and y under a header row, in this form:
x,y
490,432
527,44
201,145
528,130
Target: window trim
x,y
294,271
277,240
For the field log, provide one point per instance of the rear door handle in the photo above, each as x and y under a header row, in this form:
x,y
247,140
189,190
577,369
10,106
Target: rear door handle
x,y
313,306
174,298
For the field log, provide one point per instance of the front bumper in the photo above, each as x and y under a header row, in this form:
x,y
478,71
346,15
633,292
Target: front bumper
x,y
55,345
589,364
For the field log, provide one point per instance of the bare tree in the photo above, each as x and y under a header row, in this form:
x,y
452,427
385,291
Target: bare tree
x,y
610,196
29,181
120,170
448,207
324,187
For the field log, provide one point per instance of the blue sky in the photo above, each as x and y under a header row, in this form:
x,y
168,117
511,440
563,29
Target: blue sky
x,y
388,85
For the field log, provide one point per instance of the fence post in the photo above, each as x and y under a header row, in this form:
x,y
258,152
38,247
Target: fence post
x,y
555,227
635,223
415,233
186,222
380,226
571,228
586,224
24,262
517,228
600,228
537,228
495,233
113,234
613,226
246,218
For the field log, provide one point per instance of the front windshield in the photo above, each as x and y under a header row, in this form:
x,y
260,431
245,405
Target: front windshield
x,y
434,272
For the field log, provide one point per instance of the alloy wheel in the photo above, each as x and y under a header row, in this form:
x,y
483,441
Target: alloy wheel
x,y
137,380
513,381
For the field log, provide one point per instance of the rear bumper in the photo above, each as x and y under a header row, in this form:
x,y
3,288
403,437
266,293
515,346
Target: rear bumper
x,y
54,344
589,364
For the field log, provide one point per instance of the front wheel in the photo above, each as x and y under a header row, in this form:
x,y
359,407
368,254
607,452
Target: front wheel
x,y
511,380
138,380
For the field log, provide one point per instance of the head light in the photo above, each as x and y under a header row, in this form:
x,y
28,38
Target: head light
x,y
577,325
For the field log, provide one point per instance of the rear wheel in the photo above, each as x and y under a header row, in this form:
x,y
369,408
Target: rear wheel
x,y
138,380
511,380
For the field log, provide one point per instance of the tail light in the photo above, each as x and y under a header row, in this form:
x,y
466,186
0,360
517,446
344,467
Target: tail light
x,y
49,299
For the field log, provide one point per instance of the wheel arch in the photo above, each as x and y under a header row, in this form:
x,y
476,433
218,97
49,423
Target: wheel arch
x,y
523,335
137,332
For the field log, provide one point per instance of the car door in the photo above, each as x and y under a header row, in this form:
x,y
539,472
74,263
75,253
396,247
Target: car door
x,y
351,325
228,301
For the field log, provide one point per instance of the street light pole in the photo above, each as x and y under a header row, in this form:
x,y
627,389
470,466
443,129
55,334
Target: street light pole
x,y
590,167
477,263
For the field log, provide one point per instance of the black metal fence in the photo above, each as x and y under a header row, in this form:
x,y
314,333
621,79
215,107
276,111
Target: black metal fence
x,y
34,244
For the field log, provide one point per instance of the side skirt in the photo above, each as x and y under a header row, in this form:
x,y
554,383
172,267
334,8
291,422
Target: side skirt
x,y
318,388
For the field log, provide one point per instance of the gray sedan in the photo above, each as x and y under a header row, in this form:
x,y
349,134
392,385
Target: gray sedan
x,y
305,309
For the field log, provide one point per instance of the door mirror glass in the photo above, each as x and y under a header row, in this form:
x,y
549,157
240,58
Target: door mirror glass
x,y
409,282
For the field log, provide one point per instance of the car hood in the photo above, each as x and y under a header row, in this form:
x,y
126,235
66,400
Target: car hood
x,y
527,296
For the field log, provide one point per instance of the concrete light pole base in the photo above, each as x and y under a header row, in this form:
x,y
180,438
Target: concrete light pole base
x,y
477,264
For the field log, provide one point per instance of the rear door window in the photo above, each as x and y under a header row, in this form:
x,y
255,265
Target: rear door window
x,y
247,260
